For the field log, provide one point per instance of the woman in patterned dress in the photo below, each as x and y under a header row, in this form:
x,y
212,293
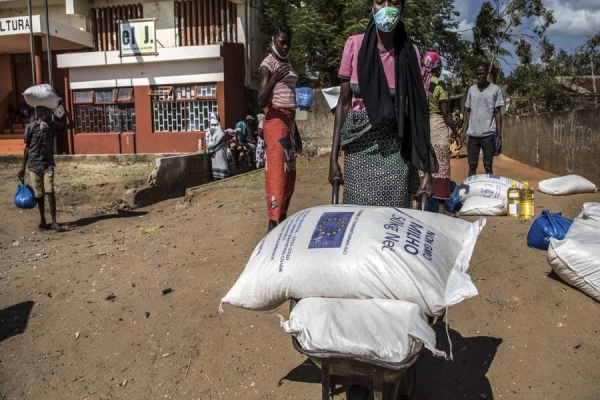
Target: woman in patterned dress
x,y
440,121
277,96
382,118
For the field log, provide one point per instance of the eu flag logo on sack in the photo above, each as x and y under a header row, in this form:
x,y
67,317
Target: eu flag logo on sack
x,y
330,230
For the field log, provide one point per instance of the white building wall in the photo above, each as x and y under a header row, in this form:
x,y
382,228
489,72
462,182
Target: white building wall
x,y
56,12
180,72
248,29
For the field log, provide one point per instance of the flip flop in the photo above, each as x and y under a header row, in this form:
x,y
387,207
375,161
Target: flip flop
x,y
42,227
57,227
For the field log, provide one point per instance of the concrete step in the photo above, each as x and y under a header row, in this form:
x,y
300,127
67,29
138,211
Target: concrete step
x,y
11,146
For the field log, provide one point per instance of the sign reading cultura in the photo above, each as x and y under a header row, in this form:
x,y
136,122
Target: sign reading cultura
x,y
16,25
138,37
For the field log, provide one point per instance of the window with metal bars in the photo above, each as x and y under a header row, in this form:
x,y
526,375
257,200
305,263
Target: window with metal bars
x,y
183,108
104,110
105,24
203,22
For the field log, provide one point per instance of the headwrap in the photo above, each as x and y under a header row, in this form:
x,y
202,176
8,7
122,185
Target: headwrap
x,y
242,128
409,108
261,119
214,119
214,140
431,61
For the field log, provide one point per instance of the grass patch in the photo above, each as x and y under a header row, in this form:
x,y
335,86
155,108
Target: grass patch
x,y
79,177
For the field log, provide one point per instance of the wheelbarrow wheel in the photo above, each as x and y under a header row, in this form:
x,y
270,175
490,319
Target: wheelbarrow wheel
x,y
407,384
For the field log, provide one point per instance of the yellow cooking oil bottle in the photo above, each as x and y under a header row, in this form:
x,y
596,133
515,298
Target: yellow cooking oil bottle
x,y
513,201
526,202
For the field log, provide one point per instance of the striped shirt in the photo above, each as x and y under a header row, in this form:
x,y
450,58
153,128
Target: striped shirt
x,y
284,93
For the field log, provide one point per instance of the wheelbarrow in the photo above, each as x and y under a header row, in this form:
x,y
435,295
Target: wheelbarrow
x,y
394,380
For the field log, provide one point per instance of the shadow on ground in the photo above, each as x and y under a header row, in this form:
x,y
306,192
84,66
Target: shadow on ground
x,y
92,220
463,378
437,379
13,319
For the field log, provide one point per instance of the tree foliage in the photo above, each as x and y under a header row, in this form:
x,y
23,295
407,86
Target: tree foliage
x,y
501,23
552,83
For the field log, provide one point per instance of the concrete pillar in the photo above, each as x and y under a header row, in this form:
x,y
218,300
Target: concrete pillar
x,y
39,64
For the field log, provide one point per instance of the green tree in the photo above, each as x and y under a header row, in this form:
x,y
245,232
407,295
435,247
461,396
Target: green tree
x,y
535,88
500,23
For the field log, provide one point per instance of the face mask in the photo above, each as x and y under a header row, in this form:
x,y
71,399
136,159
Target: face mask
x,y
387,18
213,130
277,53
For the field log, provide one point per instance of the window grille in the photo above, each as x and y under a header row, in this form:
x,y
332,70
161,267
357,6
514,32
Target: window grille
x,y
183,108
104,110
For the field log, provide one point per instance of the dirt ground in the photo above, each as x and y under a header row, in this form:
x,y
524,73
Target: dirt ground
x,y
108,310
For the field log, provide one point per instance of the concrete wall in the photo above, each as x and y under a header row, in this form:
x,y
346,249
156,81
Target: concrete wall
x,y
317,129
195,169
172,176
562,143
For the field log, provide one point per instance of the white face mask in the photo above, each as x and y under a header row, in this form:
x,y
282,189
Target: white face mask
x,y
276,52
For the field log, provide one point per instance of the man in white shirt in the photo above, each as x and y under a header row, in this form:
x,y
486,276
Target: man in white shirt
x,y
482,120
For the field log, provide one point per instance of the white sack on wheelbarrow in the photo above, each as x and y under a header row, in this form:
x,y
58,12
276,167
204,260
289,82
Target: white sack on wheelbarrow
x,y
357,252
564,185
479,205
376,330
491,186
576,258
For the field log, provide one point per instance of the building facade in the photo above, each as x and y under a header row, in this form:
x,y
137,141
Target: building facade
x,y
204,56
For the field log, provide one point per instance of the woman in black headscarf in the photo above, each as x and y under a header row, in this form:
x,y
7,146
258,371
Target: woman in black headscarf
x,y
382,116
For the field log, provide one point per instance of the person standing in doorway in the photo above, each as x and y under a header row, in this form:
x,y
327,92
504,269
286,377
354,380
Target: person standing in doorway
x,y
277,96
38,157
482,119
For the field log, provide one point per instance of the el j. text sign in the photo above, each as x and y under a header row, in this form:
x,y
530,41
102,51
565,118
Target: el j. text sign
x,y
137,37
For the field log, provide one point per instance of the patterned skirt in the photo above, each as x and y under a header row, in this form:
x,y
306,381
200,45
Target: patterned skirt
x,y
375,174
440,140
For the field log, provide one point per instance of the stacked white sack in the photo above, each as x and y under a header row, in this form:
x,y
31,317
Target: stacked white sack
x,y
375,330
356,252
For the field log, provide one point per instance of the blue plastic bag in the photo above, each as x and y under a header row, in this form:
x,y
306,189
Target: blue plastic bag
x,y
303,97
546,226
453,203
24,196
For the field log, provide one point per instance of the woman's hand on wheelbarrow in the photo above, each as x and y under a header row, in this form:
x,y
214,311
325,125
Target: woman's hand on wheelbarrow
x,y
426,185
335,173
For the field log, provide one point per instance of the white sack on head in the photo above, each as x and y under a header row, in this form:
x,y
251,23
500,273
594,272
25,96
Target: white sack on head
x,y
42,95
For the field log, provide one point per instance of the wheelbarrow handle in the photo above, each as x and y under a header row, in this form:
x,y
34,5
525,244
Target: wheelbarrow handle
x,y
335,192
423,201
